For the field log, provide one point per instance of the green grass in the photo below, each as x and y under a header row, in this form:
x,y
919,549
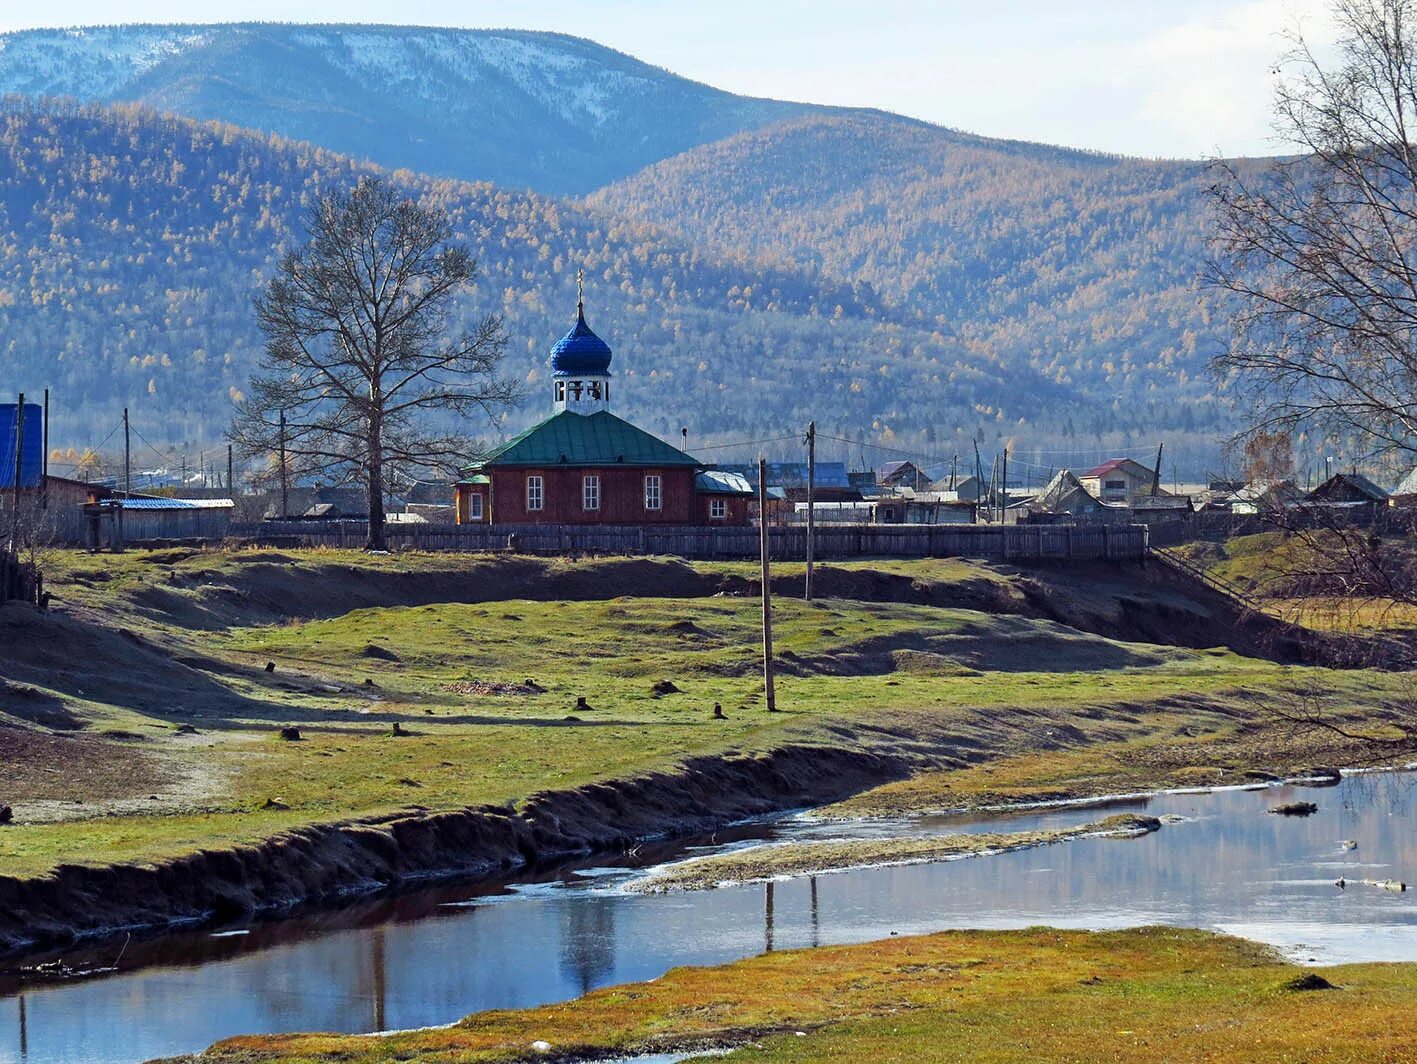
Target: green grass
x,y
922,681
1150,995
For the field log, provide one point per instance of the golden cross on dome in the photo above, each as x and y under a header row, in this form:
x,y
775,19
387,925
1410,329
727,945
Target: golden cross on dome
x,y
580,289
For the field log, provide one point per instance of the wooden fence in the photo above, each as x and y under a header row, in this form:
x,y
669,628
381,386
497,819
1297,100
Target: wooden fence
x,y
1001,542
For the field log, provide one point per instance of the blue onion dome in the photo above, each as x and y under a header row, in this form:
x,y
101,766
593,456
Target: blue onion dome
x,y
580,351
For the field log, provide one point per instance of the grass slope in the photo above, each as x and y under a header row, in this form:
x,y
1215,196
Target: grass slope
x,y
98,771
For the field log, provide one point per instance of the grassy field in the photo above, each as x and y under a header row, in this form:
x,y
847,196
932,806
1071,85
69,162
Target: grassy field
x,y
1151,995
139,720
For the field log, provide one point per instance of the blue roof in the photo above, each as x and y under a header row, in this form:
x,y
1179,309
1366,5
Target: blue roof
x,y
174,504
793,474
580,351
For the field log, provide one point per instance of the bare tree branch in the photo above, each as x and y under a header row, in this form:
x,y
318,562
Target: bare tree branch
x,y
360,350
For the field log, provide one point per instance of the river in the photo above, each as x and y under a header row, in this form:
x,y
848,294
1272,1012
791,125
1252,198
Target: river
x,y
433,956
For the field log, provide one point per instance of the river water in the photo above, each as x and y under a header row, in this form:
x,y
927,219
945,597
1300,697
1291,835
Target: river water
x,y
431,957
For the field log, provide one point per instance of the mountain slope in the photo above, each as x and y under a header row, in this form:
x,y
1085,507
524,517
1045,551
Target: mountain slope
x,y
131,245
539,110
1081,267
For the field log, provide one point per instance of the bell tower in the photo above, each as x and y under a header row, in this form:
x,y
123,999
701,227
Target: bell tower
x,y
580,365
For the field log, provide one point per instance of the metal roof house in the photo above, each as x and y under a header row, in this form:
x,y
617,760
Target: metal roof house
x,y
1348,488
115,522
1117,480
1405,494
1064,494
585,465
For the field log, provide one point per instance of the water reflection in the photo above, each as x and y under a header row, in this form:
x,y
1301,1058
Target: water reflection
x,y
435,956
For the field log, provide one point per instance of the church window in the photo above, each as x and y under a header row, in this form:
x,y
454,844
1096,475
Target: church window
x,y
653,497
590,493
535,493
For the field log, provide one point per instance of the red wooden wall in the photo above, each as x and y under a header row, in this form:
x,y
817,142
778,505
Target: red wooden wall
x,y
622,497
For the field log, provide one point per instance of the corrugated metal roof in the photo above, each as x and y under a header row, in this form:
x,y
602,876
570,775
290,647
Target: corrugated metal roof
x,y
173,504
794,474
599,439
722,482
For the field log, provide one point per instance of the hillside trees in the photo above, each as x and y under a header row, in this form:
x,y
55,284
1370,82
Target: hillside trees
x,y
358,349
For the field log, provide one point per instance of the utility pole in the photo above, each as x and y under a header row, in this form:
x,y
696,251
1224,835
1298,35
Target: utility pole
x,y
954,472
1156,473
284,480
978,475
19,469
811,505
44,466
230,469
1004,494
127,457
767,582
993,497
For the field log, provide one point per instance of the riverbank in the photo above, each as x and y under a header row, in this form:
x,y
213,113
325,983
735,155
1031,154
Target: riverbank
x,y
437,725
1149,995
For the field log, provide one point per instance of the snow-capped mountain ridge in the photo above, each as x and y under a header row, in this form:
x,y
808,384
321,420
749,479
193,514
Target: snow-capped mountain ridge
x,y
544,110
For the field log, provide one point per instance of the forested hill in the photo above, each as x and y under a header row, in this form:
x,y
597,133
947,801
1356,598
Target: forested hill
x,y
527,110
1082,268
131,246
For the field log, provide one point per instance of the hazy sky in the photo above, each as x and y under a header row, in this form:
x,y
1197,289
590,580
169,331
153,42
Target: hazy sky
x,y
1144,77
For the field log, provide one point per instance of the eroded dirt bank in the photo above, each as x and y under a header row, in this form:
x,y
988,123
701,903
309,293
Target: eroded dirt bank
x,y
331,861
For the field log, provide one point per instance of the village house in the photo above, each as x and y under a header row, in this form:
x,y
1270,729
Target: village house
x,y
584,465
1348,488
897,475
962,489
1117,482
1064,494
1265,495
1405,494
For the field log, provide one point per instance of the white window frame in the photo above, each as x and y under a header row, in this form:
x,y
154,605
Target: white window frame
x,y
718,509
474,506
535,493
590,492
654,491
560,391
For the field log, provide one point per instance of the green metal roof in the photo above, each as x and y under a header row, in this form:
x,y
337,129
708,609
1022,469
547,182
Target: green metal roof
x,y
475,478
598,439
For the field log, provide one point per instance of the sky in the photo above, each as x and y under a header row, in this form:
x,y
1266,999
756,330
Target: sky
x,y
1186,78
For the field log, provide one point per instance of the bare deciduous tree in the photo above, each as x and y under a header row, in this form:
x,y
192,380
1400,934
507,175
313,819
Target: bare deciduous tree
x,y
359,352
1320,247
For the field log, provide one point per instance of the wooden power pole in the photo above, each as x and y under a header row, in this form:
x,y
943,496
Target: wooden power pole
x,y
127,457
1156,473
811,506
230,471
767,582
284,480
19,473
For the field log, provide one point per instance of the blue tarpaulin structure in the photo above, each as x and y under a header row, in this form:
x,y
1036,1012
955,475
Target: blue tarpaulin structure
x,y
31,467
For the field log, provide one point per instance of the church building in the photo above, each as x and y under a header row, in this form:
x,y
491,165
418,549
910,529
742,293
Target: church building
x,y
584,465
